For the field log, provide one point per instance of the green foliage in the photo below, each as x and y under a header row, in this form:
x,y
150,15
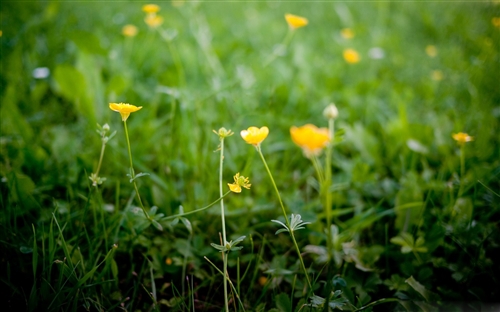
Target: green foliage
x,y
414,214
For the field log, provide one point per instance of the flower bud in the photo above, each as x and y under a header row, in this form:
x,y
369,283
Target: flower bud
x,y
105,127
331,111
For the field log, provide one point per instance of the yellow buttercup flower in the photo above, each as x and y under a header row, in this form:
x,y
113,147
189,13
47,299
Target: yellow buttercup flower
x,y
310,138
153,20
351,56
437,75
347,33
254,135
431,50
496,21
124,109
129,30
295,21
168,261
151,8
239,181
462,138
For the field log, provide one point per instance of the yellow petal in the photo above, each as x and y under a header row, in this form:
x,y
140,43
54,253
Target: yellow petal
x,y
234,187
295,21
254,135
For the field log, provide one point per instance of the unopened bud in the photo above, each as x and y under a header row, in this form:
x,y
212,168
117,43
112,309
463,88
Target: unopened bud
x,y
105,127
331,111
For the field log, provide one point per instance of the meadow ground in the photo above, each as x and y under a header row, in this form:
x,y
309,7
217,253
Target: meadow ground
x,y
391,202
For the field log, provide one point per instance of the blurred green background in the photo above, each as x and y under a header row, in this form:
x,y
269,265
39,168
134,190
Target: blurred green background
x,y
426,70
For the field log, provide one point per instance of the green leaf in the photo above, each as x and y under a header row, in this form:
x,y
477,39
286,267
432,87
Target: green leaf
x,y
283,302
428,295
157,225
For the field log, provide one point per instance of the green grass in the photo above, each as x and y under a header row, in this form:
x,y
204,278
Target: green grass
x,y
411,232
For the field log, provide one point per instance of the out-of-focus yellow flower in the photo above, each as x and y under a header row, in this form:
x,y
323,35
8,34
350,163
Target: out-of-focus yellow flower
x,y
310,138
462,138
129,30
1,33
437,75
177,3
347,33
262,280
124,109
239,181
431,50
254,135
351,56
153,20
295,21
168,261
151,8
496,21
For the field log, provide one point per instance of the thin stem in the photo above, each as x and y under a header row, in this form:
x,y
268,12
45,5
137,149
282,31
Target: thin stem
x,y
286,217
100,158
224,240
197,210
132,173
462,169
284,43
328,182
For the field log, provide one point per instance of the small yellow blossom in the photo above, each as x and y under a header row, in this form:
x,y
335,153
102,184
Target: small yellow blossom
x,y
153,20
496,21
347,33
462,138
310,138
124,109
129,30
168,261
239,181
1,33
177,3
150,8
262,280
254,135
431,50
351,56
437,75
295,21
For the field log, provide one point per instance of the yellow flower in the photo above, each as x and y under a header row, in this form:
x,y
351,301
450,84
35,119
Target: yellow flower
x,y
462,138
254,135
151,8
437,75
262,280
351,56
347,33
168,261
295,21
310,138
431,50
153,20
239,181
129,30
496,21
124,109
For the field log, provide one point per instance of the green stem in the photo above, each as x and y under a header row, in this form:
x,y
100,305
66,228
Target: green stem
x,y
132,173
462,169
284,43
286,217
224,240
100,158
197,210
328,182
